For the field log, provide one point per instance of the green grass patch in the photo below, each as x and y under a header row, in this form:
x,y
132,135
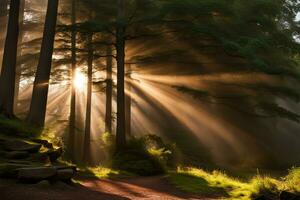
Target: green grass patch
x,y
102,172
219,184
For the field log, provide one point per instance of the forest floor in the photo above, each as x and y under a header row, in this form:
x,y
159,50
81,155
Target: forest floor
x,y
152,188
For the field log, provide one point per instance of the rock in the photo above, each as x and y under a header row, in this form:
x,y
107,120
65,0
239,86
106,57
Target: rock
x,y
36,174
43,184
60,167
65,174
10,170
62,186
54,154
284,195
18,145
40,157
45,143
24,162
17,155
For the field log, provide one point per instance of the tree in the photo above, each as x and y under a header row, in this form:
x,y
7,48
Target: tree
x,y
87,135
38,104
109,90
128,100
19,54
8,72
120,47
73,74
3,22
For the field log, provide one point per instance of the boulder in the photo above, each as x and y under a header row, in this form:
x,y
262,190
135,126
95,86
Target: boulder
x,y
45,184
18,145
65,174
45,143
36,174
10,170
40,157
62,185
61,167
284,195
17,155
23,162
55,154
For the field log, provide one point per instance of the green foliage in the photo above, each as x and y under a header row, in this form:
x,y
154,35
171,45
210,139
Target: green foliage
x,y
108,142
101,172
218,184
17,128
144,156
292,180
260,108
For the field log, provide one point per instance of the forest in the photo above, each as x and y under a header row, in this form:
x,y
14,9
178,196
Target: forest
x,y
149,99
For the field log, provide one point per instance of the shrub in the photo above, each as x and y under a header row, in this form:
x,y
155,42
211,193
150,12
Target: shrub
x,y
139,159
292,180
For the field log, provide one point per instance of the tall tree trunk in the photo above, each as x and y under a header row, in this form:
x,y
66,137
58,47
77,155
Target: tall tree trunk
x,y
38,104
19,65
87,135
3,7
3,24
109,88
72,120
128,101
120,46
8,72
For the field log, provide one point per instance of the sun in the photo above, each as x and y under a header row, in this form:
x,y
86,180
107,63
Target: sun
x,y
79,80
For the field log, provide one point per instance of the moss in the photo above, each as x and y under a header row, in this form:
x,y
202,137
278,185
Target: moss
x,y
17,128
219,184
137,161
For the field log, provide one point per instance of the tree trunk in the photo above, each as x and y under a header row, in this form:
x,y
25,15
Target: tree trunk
x,y
109,88
37,112
19,65
8,72
3,7
120,46
128,101
3,24
72,121
87,135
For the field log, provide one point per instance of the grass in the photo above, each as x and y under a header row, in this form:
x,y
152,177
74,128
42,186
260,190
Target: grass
x,y
219,184
102,172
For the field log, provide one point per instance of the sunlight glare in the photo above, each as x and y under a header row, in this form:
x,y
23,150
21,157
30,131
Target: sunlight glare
x,y
80,80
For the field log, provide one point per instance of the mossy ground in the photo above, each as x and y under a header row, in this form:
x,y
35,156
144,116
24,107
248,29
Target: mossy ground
x,y
219,184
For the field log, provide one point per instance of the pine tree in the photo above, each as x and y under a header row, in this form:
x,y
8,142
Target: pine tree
x,y
8,72
38,106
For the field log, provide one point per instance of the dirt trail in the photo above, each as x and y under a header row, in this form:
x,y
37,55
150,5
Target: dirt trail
x,y
150,188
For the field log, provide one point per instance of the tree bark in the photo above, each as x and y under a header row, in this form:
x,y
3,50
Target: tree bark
x,y
3,24
87,135
128,101
8,72
19,65
3,8
38,106
109,88
120,46
72,120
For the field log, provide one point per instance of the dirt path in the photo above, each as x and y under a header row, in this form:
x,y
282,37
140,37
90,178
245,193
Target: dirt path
x,y
150,188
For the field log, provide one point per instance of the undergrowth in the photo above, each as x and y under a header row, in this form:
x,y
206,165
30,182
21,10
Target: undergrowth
x,y
219,184
18,128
